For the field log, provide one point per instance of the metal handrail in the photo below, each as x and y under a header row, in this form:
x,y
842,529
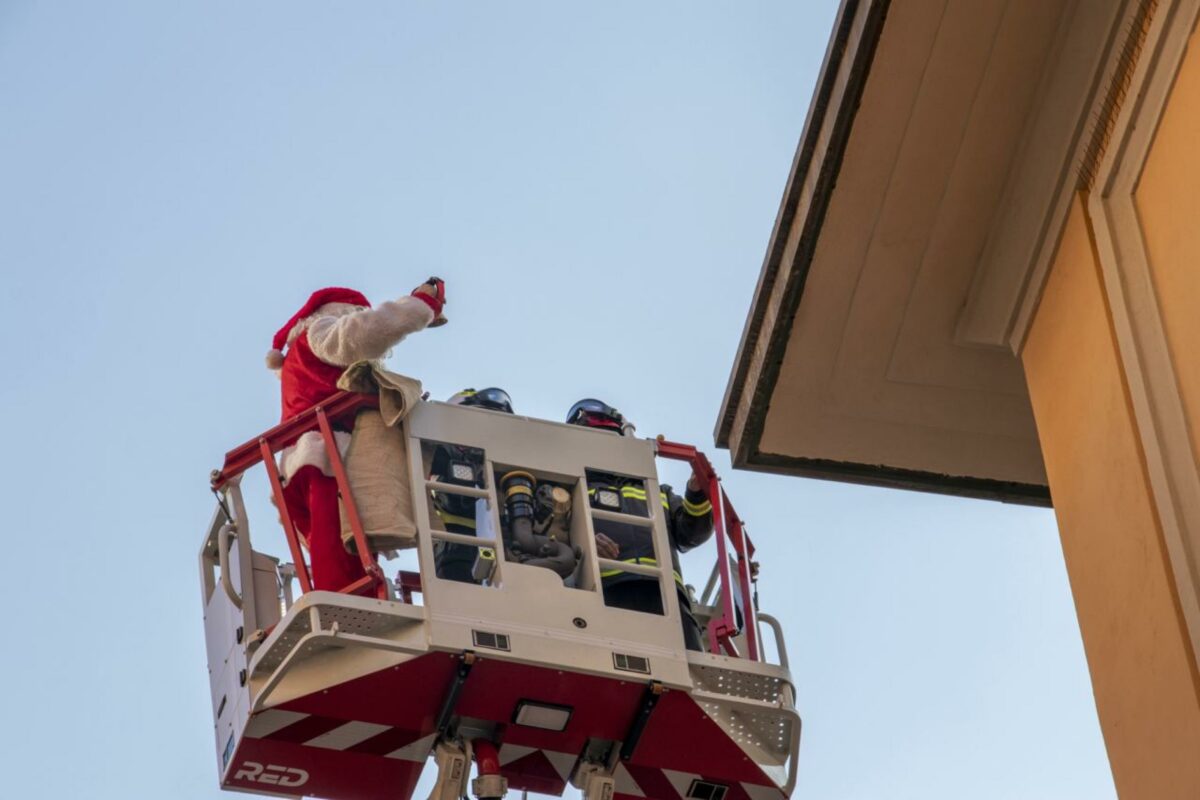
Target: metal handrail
x,y
730,528
464,491
728,525
780,645
713,576
628,566
461,538
287,571
247,454
227,532
262,449
617,516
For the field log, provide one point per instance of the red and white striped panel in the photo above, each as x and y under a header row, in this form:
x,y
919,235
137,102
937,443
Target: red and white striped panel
x,y
547,772
535,769
293,753
649,783
381,723
367,738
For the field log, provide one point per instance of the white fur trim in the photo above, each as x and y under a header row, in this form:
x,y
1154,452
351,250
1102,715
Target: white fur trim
x,y
327,310
367,334
275,357
309,450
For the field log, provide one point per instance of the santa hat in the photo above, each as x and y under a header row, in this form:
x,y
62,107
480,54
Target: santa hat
x,y
332,294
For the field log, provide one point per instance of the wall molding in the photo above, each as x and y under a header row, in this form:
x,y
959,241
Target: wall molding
x,y
1149,370
1040,188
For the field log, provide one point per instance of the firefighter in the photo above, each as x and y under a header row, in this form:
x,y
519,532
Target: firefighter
x,y
334,329
451,464
689,524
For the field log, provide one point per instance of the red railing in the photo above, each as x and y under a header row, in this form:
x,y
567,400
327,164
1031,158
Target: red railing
x,y
263,449
727,524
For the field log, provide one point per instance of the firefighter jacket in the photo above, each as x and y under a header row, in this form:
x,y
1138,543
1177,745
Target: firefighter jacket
x,y
457,512
689,524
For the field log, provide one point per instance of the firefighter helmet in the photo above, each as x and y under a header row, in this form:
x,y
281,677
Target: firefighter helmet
x,y
492,397
593,413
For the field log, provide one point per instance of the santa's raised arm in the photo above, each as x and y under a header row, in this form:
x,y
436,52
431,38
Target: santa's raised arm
x,y
334,329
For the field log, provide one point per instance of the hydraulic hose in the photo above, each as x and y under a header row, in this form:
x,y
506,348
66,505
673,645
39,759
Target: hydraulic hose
x,y
535,549
486,757
542,551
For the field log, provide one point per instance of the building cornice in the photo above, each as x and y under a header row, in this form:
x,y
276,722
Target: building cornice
x,y
810,186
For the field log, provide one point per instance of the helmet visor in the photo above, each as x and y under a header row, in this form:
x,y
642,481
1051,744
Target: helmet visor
x,y
594,414
493,398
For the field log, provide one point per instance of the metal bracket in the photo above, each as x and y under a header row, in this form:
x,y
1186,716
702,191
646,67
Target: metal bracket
x,y
654,690
595,782
489,787
465,662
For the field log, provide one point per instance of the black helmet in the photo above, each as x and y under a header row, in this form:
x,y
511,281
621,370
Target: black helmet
x,y
493,398
592,413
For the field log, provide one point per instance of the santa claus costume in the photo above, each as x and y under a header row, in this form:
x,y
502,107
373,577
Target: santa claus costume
x,y
334,329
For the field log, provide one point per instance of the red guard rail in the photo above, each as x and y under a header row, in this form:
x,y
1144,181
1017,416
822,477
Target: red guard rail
x,y
727,524
263,449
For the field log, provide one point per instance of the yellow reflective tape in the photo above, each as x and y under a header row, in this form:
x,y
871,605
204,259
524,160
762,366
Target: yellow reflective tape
x,y
626,491
697,509
633,493
649,562
609,573
454,519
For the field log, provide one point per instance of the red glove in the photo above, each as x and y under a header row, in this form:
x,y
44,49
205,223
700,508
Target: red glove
x,y
433,293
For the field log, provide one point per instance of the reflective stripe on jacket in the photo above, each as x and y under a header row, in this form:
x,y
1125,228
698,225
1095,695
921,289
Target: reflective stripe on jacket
x,y
456,511
689,524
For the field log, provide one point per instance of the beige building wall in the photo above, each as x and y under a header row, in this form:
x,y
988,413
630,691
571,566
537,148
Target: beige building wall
x,y
1137,645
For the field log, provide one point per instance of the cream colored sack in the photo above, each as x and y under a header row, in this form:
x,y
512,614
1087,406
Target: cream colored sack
x,y
377,460
377,468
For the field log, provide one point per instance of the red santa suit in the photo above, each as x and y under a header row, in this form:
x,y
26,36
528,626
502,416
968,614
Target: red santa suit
x,y
334,329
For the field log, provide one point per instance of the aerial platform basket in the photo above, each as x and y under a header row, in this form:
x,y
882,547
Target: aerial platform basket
x,y
347,695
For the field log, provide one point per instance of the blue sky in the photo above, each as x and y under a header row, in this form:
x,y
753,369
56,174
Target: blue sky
x,y
597,183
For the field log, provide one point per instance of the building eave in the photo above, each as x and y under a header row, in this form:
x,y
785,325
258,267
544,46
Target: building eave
x,y
882,342
849,67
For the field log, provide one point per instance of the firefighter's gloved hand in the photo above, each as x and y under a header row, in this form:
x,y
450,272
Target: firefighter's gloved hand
x,y
606,547
694,485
